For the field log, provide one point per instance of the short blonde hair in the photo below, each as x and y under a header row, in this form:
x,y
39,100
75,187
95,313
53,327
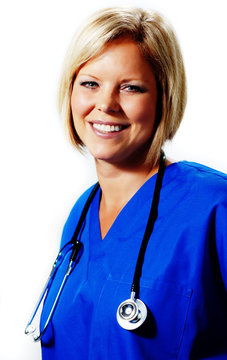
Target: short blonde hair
x,y
158,43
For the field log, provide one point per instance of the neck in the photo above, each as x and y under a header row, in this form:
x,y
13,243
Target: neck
x,y
119,185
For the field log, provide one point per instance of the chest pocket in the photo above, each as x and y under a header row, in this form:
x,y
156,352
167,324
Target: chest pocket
x,y
160,336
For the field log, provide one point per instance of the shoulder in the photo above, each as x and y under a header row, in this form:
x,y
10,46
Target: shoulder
x,y
201,180
202,171
194,189
74,216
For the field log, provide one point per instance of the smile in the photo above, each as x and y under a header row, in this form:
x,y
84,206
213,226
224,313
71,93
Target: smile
x,y
107,128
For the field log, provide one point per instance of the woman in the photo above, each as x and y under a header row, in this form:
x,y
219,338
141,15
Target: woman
x,y
123,94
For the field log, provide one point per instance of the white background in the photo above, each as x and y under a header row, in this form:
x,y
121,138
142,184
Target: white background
x,y
41,174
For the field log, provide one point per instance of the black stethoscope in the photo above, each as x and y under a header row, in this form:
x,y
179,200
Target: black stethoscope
x,y
131,313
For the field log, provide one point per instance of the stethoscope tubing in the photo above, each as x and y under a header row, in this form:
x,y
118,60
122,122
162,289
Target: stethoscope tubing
x,y
150,225
132,313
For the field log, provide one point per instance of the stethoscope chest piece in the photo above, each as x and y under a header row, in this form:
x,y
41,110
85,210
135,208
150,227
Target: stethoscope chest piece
x,y
131,313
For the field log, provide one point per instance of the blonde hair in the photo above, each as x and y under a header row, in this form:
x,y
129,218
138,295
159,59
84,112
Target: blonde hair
x,y
158,44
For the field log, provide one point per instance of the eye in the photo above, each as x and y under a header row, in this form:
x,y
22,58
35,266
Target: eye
x,y
89,84
133,88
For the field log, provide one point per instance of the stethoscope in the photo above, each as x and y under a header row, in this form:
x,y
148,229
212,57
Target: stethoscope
x,y
131,313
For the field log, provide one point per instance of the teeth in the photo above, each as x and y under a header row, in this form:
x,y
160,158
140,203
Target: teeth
x,y
107,128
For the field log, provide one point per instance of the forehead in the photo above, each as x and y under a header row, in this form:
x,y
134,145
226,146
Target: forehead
x,y
122,55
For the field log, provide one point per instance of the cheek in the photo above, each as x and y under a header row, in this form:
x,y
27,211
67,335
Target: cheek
x,y
142,111
81,105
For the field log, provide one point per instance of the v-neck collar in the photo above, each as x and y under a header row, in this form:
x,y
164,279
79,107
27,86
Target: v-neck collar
x,y
128,222
142,197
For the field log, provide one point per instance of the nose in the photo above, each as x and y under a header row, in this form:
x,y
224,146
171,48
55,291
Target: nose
x,y
108,102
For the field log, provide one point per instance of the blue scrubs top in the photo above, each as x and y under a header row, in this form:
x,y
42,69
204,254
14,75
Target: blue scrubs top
x,y
183,282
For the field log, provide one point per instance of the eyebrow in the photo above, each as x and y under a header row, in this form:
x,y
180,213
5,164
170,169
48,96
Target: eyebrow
x,y
94,77
129,79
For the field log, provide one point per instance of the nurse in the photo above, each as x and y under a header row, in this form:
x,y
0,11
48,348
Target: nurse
x,y
123,94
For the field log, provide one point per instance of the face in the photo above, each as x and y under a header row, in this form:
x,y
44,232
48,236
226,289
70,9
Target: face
x,y
114,103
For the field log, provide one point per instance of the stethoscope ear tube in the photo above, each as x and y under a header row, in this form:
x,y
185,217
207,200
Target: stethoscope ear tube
x,y
76,246
31,328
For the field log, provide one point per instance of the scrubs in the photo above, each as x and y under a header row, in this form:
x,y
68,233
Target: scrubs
x,y
183,281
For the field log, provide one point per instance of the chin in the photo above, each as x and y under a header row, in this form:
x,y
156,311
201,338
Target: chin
x,y
109,158
106,158
103,154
